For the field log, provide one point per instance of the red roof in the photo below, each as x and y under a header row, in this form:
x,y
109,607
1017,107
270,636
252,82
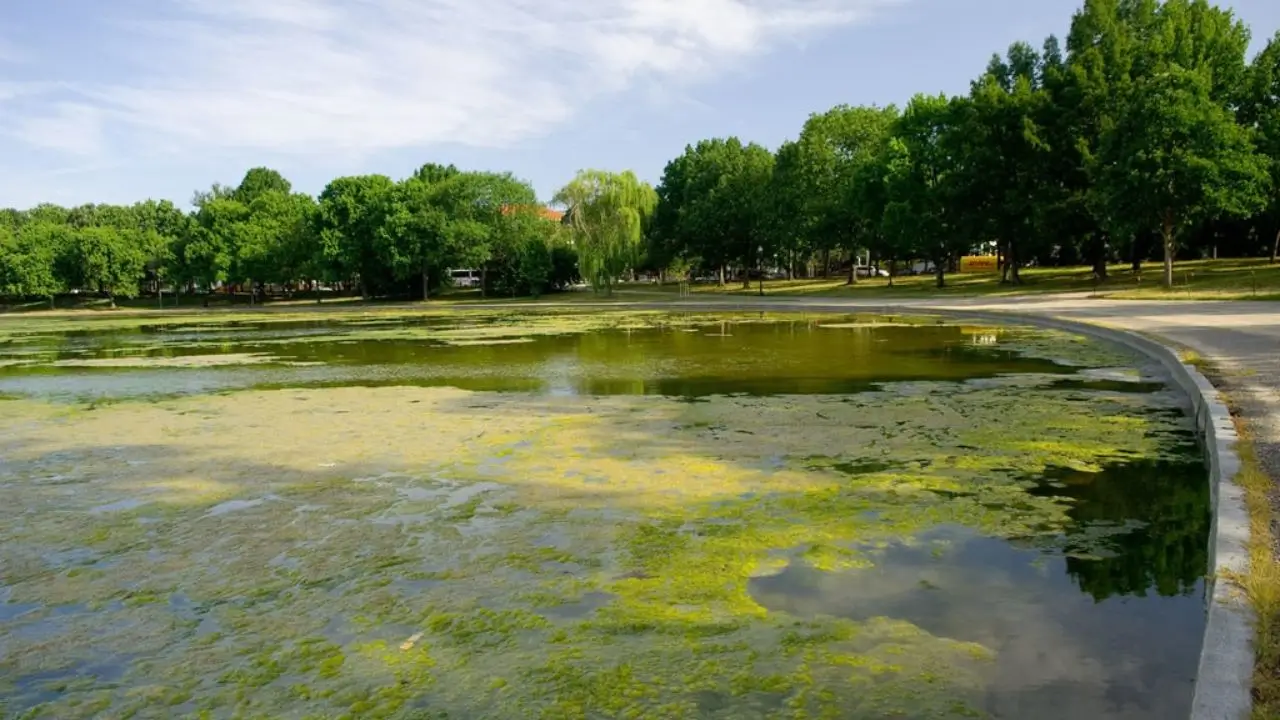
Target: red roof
x,y
546,212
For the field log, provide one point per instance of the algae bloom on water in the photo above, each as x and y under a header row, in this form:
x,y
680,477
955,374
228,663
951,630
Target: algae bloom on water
x,y
633,515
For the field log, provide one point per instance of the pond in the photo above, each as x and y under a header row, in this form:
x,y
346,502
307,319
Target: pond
x,y
491,515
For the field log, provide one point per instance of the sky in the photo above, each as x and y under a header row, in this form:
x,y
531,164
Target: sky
x,y
132,99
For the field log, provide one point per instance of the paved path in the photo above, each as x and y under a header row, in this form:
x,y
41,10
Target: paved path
x,y
1241,338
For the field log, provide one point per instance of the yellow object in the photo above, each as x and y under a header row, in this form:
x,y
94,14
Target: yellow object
x,y
979,264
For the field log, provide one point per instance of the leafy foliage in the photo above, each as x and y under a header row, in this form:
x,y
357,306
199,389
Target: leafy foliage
x,y
607,212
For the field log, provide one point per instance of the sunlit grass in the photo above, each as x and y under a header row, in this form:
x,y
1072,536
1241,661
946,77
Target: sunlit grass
x,y
1243,279
1262,584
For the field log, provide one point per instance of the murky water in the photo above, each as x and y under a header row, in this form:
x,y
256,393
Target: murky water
x,y
594,516
675,358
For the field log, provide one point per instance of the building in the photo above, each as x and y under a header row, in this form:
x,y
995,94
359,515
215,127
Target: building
x,y
547,213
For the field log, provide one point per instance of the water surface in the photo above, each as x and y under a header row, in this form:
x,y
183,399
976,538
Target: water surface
x,y
614,515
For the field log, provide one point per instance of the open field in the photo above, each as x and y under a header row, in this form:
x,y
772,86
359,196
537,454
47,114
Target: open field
x,y
1245,279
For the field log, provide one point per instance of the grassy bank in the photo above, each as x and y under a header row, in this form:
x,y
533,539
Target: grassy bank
x,y
1237,279
1262,585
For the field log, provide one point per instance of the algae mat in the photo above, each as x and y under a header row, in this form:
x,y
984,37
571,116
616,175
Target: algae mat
x,y
1007,523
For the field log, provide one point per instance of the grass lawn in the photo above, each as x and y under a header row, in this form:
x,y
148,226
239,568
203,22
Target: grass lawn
x,y
1236,279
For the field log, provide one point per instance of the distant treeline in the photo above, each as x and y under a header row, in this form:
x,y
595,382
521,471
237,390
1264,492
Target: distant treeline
x,y
365,234
1149,135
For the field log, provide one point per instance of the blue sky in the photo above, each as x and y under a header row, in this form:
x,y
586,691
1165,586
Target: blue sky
x,y
129,99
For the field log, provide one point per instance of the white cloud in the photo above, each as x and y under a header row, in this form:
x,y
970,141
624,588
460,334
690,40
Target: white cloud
x,y
68,127
354,76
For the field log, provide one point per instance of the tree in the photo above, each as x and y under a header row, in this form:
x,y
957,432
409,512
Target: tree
x,y
442,218
485,215
713,203
1001,177
108,260
209,253
1175,157
667,246
29,259
421,225
274,238
891,239
1260,111
259,181
833,148
165,226
564,264
352,212
521,253
607,212
1113,46
918,199
788,219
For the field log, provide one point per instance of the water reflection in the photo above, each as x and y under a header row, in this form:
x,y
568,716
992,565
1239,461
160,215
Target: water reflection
x,y
1139,528
1059,653
759,358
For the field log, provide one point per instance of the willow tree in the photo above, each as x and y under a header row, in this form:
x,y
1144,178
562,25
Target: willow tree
x,y
607,212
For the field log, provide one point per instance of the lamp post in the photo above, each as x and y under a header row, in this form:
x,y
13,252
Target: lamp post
x,y
760,267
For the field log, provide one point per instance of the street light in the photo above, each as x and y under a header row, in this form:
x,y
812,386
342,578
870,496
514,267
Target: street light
x,y
760,266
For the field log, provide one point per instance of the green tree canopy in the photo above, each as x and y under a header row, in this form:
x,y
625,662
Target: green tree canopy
x,y
259,181
714,202
1260,111
1174,157
607,212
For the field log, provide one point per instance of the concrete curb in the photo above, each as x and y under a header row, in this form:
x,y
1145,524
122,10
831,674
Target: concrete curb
x,y
1224,681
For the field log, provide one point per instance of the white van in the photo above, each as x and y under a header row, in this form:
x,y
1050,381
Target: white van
x,y
465,278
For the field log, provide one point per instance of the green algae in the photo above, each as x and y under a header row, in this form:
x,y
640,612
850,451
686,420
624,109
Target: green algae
x,y
401,551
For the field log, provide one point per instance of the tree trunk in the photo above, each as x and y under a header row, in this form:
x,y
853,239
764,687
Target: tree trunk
x,y
1135,255
426,288
484,276
1166,232
826,264
1014,277
941,268
853,271
1099,256
893,265
1275,248
720,276
52,301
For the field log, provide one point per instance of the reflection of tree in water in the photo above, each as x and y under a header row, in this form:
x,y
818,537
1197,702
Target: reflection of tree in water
x,y
1141,526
